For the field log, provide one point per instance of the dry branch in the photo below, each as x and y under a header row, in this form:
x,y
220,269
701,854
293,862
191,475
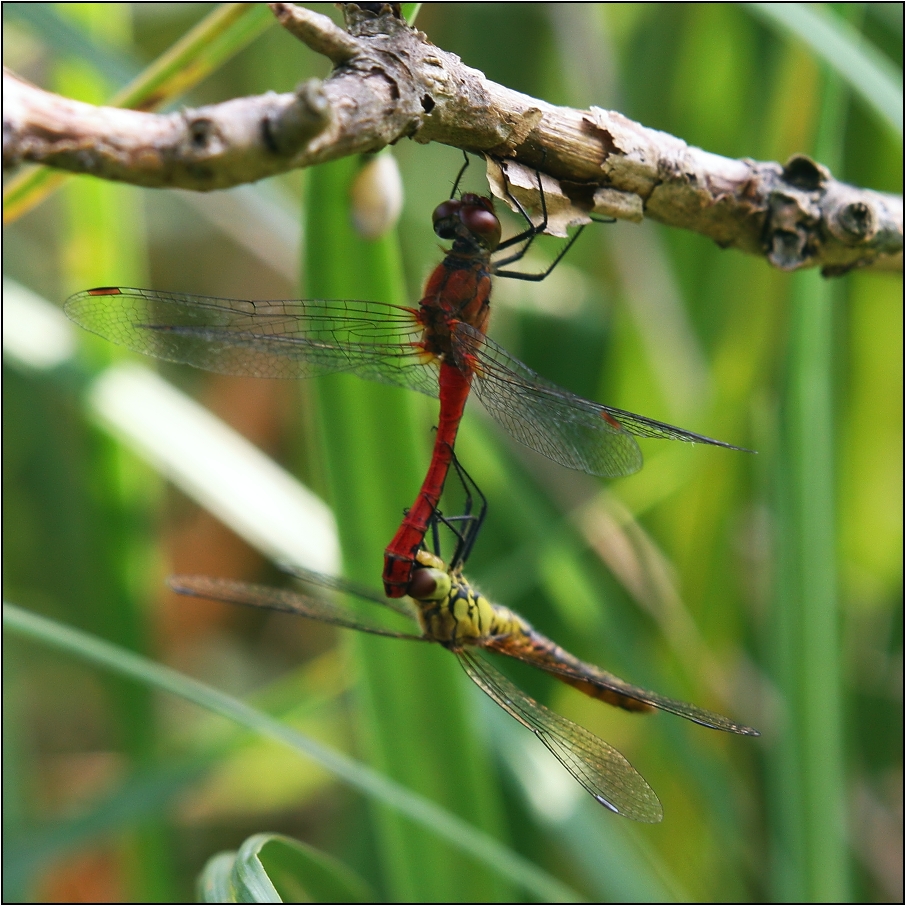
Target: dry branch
x,y
390,82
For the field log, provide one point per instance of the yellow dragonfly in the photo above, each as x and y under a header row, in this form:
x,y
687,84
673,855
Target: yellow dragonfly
x,y
454,614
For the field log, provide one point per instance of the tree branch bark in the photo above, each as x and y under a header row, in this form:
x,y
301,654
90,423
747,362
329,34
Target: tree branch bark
x,y
390,82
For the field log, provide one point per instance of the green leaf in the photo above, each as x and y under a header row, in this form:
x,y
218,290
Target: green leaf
x,y
273,868
216,883
250,879
300,872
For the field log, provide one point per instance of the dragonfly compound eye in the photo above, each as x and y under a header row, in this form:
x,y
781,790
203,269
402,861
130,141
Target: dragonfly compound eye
x,y
429,584
446,218
478,218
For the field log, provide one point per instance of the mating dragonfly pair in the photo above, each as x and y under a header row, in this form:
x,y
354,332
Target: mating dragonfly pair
x,y
441,349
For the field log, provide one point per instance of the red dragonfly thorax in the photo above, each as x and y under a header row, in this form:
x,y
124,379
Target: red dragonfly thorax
x,y
459,288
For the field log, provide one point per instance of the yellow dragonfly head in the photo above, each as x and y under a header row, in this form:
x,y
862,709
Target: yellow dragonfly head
x,y
431,579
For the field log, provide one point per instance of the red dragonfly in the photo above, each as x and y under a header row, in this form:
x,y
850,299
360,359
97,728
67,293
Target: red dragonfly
x,y
438,348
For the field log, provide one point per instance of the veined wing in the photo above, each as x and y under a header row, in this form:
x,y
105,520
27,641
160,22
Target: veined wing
x,y
599,767
566,428
233,592
275,339
539,651
348,587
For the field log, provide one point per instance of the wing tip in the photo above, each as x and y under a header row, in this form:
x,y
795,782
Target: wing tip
x,y
726,446
651,812
710,720
692,438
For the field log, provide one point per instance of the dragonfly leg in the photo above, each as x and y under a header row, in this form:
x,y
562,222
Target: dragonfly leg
x,y
466,525
527,237
460,175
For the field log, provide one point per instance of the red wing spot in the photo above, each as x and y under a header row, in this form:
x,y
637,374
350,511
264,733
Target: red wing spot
x,y
611,420
105,291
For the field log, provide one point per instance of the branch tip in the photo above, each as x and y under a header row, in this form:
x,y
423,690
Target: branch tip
x,y
317,32
400,85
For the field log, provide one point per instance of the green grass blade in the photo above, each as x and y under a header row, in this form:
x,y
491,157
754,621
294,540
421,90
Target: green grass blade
x,y
409,11
215,883
93,228
844,50
215,39
808,608
425,813
250,880
808,657
273,868
69,40
300,872
416,722
150,789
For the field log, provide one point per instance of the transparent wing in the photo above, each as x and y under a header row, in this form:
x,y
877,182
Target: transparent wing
x,y
566,428
347,587
275,339
539,651
233,592
599,767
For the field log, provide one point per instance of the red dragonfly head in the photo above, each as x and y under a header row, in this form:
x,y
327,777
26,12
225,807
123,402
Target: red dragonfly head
x,y
469,221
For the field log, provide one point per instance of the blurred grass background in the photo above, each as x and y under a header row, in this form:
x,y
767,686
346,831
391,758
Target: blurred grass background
x,y
768,587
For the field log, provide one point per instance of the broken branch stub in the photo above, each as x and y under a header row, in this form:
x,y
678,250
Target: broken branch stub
x,y
389,82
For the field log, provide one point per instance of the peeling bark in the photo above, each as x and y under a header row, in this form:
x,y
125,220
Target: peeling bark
x,y
390,82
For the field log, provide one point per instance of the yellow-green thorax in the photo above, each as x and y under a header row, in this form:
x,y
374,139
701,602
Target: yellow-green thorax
x,y
454,613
